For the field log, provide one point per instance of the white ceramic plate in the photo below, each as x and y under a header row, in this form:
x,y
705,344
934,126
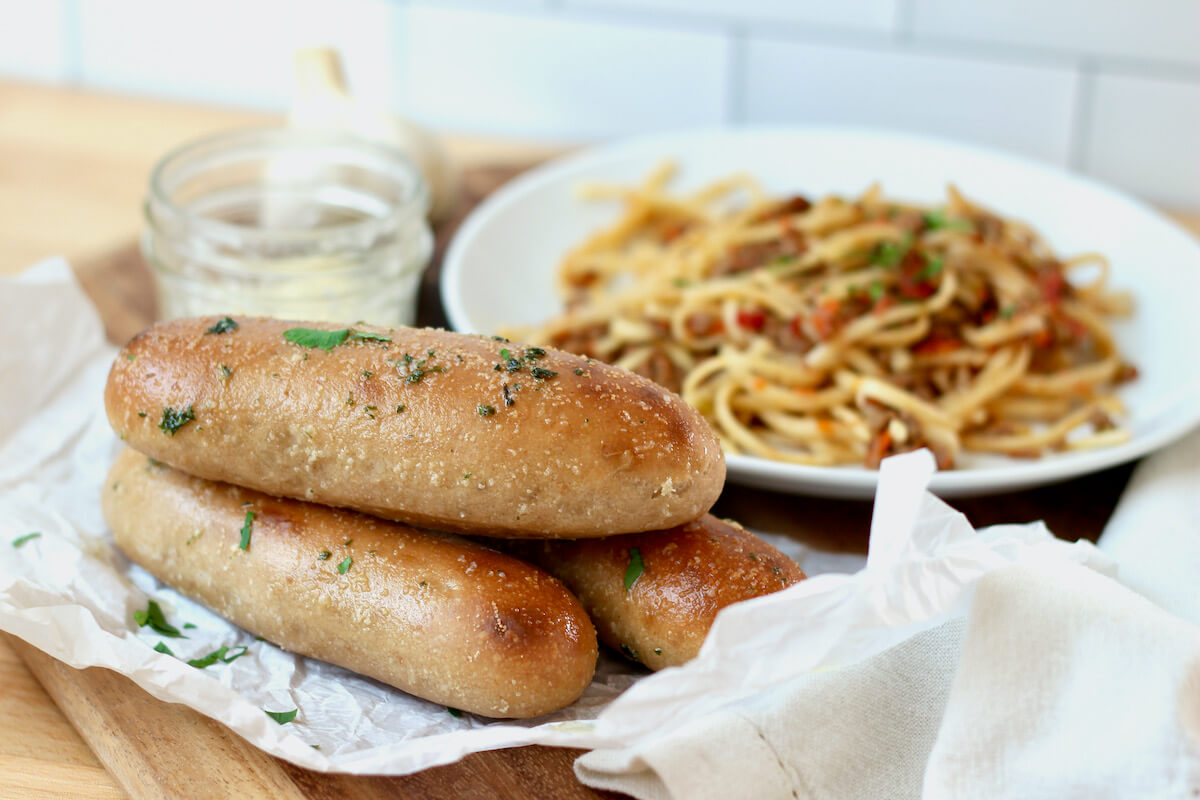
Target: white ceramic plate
x,y
500,268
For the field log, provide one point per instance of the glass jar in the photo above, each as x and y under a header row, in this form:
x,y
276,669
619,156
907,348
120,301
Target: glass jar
x,y
294,224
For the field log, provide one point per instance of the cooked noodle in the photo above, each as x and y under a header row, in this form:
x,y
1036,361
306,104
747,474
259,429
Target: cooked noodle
x,y
839,331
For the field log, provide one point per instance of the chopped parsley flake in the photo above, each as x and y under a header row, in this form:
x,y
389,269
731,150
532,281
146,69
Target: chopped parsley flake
x,y
578,371
365,336
225,372
324,555
486,411
890,254
173,420
308,337
20,540
400,408
224,325
538,372
416,370
246,526
236,652
345,565
161,647
152,615
222,654
932,269
875,291
282,717
937,220
635,568
454,712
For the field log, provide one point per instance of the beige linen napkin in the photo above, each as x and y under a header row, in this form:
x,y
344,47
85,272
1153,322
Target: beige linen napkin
x,y
1066,684
861,731
1155,532
1069,685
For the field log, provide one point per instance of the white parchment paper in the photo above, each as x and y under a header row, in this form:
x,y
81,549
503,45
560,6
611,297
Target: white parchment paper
x,y
71,593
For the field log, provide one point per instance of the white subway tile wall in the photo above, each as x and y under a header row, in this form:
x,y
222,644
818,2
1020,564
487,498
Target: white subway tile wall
x,y
1155,30
873,15
234,52
1107,87
566,79
1027,109
35,40
1143,137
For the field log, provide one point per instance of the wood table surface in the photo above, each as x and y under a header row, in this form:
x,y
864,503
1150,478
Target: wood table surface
x,y
73,168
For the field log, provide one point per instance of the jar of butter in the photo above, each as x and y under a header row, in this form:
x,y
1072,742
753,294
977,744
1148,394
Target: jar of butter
x,y
303,225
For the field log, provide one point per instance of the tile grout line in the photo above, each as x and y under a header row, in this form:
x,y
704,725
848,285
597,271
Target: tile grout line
x,y
1081,116
72,42
901,38
902,21
735,91
398,41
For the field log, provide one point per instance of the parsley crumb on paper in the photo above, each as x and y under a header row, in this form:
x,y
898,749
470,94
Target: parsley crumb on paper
x,y
153,617
20,540
282,717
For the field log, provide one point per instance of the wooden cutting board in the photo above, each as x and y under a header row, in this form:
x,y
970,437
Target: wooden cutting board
x,y
155,749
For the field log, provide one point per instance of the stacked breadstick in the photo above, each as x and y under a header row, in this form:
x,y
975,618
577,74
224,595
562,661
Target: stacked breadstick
x,y
328,490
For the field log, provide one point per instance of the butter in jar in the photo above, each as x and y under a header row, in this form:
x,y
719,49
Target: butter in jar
x,y
303,225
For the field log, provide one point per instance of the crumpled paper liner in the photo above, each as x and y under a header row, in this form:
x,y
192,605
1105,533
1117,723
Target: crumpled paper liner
x,y
71,593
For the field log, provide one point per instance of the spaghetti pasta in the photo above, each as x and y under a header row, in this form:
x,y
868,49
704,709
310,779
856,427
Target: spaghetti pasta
x,y
841,331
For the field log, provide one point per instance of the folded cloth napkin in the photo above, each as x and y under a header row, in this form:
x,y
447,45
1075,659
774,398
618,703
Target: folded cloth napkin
x,y
1154,534
1060,683
1069,685
862,731
1065,684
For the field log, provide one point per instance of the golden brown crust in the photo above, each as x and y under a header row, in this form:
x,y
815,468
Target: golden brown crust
x,y
433,614
590,451
689,573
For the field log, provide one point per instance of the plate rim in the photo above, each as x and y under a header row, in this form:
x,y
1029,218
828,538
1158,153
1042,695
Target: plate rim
x,y
848,481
